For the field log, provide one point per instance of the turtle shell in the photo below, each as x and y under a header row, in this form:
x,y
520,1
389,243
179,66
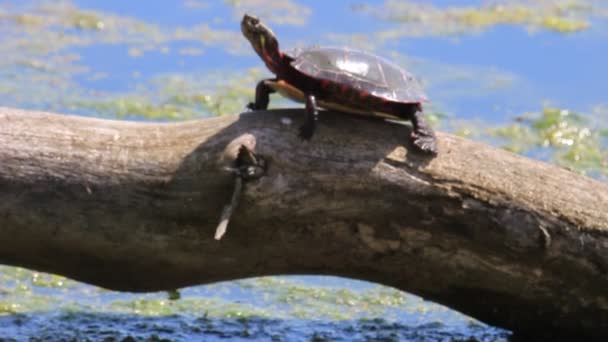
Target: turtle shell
x,y
360,70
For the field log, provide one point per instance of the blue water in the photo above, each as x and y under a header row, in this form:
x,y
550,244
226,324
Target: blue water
x,y
548,66
492,75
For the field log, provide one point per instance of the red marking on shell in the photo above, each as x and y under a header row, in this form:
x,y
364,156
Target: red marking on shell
x,y
324,84
344,88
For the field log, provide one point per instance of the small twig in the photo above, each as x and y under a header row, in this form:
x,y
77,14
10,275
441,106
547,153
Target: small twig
x,y
249,166
229,209
545,236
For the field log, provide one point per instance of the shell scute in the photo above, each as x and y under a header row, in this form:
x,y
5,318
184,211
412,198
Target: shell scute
x,y
362,71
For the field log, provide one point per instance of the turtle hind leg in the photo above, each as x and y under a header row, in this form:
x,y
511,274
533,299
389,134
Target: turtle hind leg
x,y
262,95
312,115
422,137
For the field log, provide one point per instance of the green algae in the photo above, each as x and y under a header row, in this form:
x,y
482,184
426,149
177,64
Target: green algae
x,y
570,139
39,60
132,107
551,17
306,302
576,141
85,20
418,19
50,280
178,97
277,297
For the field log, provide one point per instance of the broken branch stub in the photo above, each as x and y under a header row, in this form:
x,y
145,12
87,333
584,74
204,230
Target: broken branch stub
x,y
247,167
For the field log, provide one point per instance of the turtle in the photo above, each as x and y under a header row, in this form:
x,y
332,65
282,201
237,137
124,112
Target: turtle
x,y
339,79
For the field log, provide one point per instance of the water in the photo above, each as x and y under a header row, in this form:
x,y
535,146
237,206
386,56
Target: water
x,y
296,308
482,66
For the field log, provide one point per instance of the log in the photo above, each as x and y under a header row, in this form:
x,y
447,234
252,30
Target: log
x,y
133,206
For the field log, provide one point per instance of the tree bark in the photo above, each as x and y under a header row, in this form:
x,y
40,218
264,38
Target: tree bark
x,y
129,206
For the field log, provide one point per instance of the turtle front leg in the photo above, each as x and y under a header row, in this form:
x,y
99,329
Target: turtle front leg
x,y
262,95
312,115
423,136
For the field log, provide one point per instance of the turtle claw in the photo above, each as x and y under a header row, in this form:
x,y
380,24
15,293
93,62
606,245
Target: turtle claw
x,y
425,143
251,106
306,132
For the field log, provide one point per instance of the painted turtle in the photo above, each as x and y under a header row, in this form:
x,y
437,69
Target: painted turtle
x,y
339,79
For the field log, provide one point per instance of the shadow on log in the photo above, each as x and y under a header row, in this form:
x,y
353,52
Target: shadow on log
x,y
130,206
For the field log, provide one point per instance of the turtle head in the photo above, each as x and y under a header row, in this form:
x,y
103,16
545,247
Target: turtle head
x,y
263,41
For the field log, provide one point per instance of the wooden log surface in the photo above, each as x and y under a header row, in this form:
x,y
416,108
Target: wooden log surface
x,y
133,206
